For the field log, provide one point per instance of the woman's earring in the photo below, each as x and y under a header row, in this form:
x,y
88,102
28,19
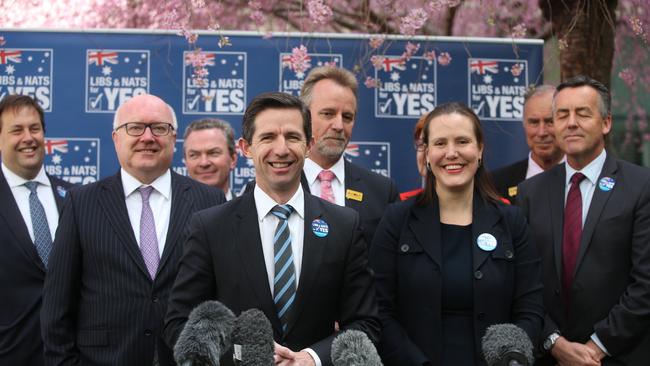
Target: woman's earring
x,y
480,162
428,167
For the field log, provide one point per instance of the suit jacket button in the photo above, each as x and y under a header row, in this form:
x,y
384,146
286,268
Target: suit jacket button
x,y
480,316
478,275
557,292
148,332
154,299
509,254
404,248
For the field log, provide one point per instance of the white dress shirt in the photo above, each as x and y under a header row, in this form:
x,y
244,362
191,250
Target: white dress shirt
x,y
534,168
160,202
45,195
312,170
587,187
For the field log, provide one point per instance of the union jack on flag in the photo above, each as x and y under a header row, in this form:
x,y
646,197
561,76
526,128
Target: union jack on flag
x,y
352,150
483,66
56,145
10,55
391,63
202,58
99,58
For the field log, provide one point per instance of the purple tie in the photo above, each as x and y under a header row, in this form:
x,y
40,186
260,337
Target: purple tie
x,y
148,239
572,232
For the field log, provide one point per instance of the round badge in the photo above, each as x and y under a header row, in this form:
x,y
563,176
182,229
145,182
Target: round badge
x,y
606,184
62,192
320,228
486,242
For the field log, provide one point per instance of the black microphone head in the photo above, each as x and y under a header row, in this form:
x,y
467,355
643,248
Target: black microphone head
x,y
206,335
503,343
354,348
252,338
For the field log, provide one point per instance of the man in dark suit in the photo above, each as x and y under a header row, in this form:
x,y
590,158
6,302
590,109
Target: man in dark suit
x,y
298,258
116,251
25,234
590,219
330,94
544,151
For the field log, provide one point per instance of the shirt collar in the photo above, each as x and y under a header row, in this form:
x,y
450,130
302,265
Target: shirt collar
x,y
264,203
591,171
312,170
162,184
14,180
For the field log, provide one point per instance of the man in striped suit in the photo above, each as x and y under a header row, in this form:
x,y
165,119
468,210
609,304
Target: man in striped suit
x,y
116,251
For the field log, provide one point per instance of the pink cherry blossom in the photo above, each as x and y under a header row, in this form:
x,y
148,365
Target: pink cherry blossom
x,y
319,13
413,21
444,59
377,61
371,82
375,42
627,76
429,56
299,60
519,31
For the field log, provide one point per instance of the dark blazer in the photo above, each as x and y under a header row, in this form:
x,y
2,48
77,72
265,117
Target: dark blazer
x,y
507,178
611,288
224,261
21,281
100,305
406,257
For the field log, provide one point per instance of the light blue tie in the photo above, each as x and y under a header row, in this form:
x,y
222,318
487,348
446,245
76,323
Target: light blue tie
x,y
42,236
284,282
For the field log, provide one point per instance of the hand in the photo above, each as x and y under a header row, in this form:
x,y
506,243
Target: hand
x,y
574,354
597,350
286,357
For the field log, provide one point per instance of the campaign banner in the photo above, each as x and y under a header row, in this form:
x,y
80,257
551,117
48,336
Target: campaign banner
x,y
406,88
291,79
113,77
497,88
221,90
73,159
27,71
372,155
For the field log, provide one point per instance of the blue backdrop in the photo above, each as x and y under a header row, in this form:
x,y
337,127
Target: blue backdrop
x,y
80,78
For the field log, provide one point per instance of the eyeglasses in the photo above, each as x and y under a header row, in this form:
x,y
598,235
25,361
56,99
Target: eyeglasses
x,y
419,145
138,128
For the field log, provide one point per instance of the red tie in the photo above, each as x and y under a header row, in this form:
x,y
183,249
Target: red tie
x,y
572,232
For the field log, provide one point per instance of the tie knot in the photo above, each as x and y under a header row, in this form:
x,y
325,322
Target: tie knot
x,y
326,176
31,185
282,211
576,178
145,192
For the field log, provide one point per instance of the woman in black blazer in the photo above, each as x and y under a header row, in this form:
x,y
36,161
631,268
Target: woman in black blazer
x,y
455,259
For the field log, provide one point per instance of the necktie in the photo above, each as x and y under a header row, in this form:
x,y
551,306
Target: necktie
x,y
284,282
148,239
42,236
572,232
325,177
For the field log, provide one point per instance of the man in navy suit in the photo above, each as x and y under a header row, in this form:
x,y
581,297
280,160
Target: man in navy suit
x,y
25,235
330,93
117,248
298,258
590,219
544,151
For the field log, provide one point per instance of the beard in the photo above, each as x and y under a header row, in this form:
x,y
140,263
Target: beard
x,y
332,146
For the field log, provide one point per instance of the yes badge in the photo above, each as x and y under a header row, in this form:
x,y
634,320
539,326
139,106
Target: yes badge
x,y
486,242
320,228
606,184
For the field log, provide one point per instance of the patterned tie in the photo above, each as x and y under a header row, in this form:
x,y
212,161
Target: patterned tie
x,y
572,232
326,192
148,239
42,236
284,283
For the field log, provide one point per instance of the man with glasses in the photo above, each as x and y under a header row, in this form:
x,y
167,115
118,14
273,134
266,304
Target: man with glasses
x,y
116,251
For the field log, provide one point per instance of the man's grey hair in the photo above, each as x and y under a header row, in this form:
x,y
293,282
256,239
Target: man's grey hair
x,y
210,123
534,90
339,75
174,122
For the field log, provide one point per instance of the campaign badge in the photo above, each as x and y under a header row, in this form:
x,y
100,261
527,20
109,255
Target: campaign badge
x,y
486,242
606,184
320,228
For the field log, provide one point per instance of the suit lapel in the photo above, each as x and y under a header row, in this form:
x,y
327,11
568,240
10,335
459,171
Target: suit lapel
x,y
598,201
556,190
484,217
312,256
15,223
180,211
426,228
57,191
249,244
111,199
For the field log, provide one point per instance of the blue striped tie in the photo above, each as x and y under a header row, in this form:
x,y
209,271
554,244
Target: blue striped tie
x,y
42,236
284,283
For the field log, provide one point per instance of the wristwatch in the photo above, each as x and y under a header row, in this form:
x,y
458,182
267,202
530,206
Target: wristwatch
x,y
549,342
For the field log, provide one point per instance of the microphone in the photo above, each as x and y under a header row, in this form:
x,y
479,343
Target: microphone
x,y
206,335
507,345
252,339
353,348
